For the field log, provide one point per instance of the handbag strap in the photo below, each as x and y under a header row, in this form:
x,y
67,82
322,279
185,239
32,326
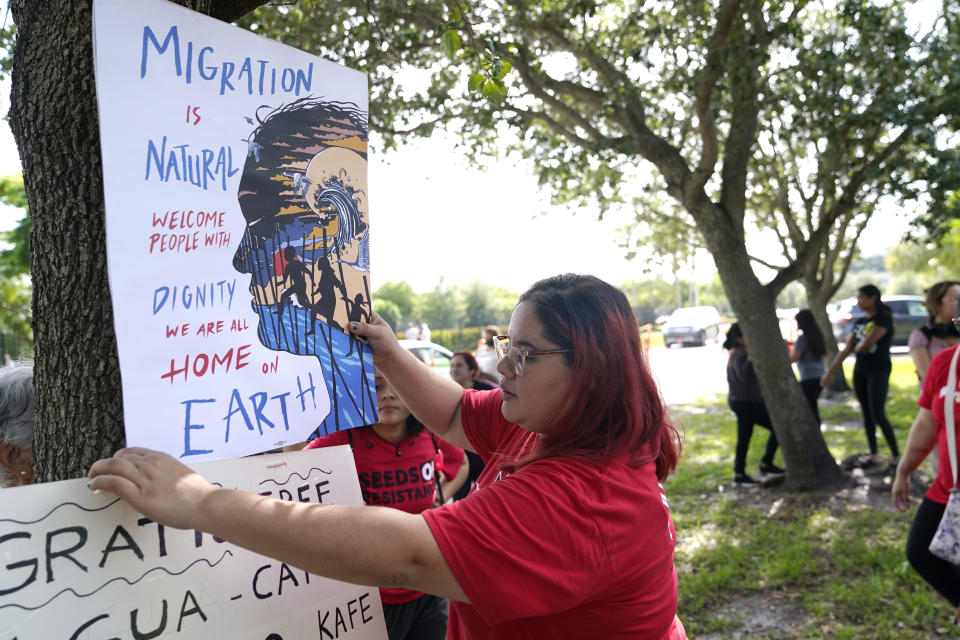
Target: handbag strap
x,y
948,417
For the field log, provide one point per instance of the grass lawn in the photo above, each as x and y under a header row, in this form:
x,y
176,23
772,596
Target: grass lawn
x,y
763,563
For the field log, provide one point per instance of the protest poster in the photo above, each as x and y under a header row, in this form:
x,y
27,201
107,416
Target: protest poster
x,y
237,232
79,565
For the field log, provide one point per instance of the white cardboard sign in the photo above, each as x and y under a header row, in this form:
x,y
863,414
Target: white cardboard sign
x,y
77,565
237,232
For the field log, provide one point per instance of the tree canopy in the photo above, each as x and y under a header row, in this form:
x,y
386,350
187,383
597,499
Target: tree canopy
x,y
715,97
800,115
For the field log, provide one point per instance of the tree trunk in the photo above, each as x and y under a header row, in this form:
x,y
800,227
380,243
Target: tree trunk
x,y
53,115
808,461
817,301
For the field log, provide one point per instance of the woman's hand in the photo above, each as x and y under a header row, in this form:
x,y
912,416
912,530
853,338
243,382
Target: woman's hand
x,y
901,491
826,379
155,484
378,334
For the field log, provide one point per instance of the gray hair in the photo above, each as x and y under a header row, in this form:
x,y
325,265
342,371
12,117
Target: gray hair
x,y
17,404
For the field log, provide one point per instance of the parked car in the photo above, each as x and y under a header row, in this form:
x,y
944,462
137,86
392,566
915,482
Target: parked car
x,y
692,325
908,314
787,318
435,355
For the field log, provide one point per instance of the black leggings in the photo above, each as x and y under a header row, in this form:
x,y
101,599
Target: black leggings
x,y
870,385
811,390
941,575
422,619
749,414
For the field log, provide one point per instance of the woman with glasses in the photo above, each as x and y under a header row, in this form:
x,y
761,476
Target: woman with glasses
x,y
930,429
568,533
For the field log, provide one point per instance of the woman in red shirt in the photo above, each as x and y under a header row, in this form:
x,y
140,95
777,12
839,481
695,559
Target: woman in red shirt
x,y
398,445
929,429
567,534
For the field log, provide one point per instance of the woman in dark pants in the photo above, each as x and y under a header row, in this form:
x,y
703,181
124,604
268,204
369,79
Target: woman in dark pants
x,y
808,352
747,403
870,339
929,429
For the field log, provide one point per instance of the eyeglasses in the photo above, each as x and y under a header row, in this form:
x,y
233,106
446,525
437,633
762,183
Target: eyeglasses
x,y
516,357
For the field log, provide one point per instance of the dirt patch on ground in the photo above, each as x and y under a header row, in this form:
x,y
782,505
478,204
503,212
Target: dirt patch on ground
x,y
770,616
867,487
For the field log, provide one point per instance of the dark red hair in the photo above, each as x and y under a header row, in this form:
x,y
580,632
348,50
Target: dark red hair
x,y
616,405
472,363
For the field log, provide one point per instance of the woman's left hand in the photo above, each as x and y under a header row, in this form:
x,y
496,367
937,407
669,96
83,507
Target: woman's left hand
x,y
901,492
155,484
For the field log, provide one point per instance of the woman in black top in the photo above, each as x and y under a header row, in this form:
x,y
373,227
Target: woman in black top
x,y
746,402
870,340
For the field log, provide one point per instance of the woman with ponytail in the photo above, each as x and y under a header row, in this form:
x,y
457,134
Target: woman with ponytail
x,y
870,340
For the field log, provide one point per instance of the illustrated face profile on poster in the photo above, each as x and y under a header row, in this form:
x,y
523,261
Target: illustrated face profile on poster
x,y
83,565
237,224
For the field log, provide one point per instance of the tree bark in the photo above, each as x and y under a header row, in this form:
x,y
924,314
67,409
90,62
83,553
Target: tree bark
x,y
808,461
817,299
53,115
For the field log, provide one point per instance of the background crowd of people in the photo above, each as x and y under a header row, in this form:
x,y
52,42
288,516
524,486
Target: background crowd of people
x,y
933,349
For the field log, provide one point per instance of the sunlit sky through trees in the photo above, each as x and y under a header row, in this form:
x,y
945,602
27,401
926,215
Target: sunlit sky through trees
x,y
434,215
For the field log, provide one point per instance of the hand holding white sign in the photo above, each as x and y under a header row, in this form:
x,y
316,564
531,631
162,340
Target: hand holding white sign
x,y
155,484
362,545
83,565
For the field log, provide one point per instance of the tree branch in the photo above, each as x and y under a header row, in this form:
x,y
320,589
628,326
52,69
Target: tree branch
x,y
709,76
553,124
530,80
423,126
614,78
230,10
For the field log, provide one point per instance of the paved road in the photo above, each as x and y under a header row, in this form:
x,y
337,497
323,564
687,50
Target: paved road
x,y
685,374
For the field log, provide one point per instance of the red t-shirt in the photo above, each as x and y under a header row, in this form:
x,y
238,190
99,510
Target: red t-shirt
x,y
562,548
398,475
932,396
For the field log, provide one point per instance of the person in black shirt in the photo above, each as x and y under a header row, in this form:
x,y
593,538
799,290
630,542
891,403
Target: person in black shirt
x,y
870,341
746,402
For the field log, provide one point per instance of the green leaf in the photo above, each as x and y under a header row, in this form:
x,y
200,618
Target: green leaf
x,y
475,81
491,91
505,68
451,43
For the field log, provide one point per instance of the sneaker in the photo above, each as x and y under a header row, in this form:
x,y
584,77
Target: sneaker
x,y
742,478
866,461
771,468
